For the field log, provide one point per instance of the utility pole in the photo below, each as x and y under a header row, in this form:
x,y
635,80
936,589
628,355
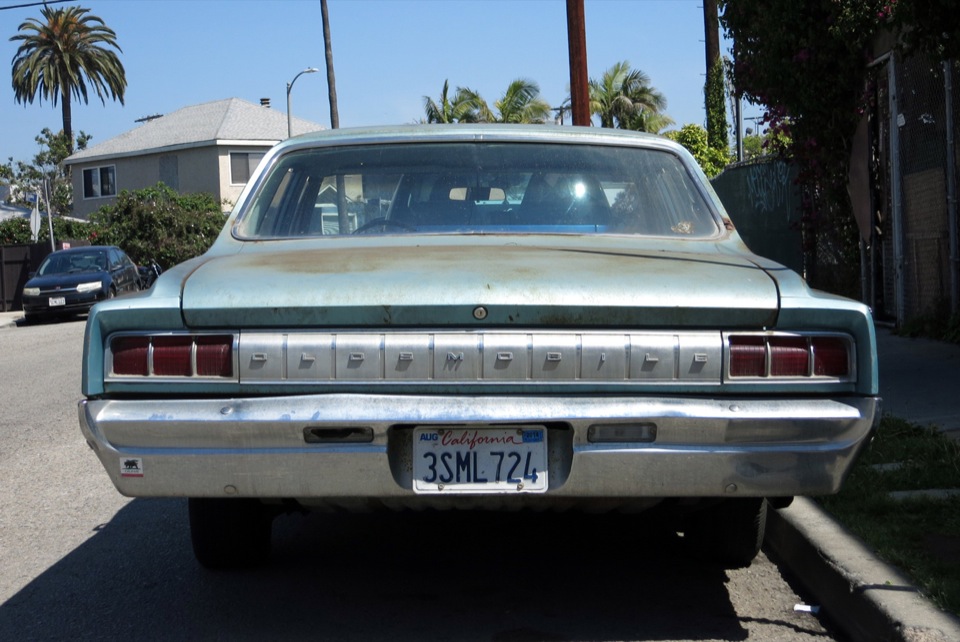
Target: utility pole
x,y
577,44
343,215
46,195
711,33
331,78
713,94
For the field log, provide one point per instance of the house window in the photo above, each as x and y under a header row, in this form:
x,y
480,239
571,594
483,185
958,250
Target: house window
x,y
170,171
99,182
242,165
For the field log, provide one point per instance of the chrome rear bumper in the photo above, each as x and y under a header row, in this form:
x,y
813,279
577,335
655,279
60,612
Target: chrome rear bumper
x,y
256,447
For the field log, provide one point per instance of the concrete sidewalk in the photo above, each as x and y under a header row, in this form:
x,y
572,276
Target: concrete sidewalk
x,y
867,598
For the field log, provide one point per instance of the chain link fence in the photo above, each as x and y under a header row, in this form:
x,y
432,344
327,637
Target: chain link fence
x,y
911,266
908,267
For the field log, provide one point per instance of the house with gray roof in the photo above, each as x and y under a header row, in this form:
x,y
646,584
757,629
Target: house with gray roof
x,y
212,148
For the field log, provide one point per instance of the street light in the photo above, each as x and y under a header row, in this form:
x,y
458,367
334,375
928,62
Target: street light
x,y
308,70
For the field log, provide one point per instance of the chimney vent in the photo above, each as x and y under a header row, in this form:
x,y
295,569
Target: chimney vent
x,y
265,102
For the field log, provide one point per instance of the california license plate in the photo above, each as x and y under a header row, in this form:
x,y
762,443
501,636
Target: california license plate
x,y
501,459
57,301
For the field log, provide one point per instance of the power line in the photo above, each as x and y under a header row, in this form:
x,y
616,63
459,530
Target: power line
x,y
32,4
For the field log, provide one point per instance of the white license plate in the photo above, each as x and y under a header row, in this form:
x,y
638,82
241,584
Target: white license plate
x,y
503,459
57,300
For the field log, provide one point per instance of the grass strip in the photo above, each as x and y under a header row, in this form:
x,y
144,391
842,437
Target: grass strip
x,y
921,536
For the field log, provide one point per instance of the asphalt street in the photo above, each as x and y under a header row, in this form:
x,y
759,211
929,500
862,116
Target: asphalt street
x,y
873,600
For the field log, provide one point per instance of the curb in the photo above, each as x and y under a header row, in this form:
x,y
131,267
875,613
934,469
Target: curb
x,y
10,319
868,599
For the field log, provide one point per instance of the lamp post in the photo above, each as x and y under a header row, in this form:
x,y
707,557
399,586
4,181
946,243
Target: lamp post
x,y
308,70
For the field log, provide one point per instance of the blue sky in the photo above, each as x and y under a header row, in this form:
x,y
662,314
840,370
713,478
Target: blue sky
x,y
388,54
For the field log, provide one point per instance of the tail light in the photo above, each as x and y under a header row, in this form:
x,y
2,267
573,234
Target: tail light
x,y
171,356
830,357
214,356
748,357
131,355
789,356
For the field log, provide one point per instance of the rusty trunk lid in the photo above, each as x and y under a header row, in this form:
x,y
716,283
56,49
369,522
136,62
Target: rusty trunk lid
x,y
482,284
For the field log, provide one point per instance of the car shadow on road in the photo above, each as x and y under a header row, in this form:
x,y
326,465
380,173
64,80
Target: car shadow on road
x,y
24,321
410,576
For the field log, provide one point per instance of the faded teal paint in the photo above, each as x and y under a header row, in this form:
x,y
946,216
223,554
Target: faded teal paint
x,y
403,283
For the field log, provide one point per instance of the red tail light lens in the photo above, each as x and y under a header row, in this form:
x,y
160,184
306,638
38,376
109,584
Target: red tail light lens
x,y
171,356
789,357
748,356
830,357
215,356
785,355
131,355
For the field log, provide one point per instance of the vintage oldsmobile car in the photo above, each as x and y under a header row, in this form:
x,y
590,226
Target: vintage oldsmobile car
x,y
479,317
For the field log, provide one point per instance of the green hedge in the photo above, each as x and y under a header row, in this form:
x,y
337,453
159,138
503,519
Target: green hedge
x,y
153,223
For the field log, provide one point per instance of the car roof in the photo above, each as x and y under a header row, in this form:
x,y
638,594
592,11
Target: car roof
x,y
424,133
85,248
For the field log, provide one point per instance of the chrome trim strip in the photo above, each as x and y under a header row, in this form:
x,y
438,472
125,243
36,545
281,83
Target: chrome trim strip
x,y
469,357
478,357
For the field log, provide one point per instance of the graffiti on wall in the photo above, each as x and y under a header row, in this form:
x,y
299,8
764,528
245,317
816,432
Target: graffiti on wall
x,y
768,186
762,200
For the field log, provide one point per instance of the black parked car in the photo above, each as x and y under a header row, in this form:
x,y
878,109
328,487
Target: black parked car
x,y
71,281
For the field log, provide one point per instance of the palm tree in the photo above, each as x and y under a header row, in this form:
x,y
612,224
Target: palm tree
x,y
623,98
521,103
646,120
58,58
465,107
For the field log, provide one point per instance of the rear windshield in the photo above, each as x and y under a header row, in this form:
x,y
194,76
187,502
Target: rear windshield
x,y
477,188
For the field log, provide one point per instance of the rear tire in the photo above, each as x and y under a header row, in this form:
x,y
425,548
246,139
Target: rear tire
x,y
729,533
229,533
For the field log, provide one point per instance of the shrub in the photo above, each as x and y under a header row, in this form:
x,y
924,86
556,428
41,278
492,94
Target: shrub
x,y
16,231
158,223
694,138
